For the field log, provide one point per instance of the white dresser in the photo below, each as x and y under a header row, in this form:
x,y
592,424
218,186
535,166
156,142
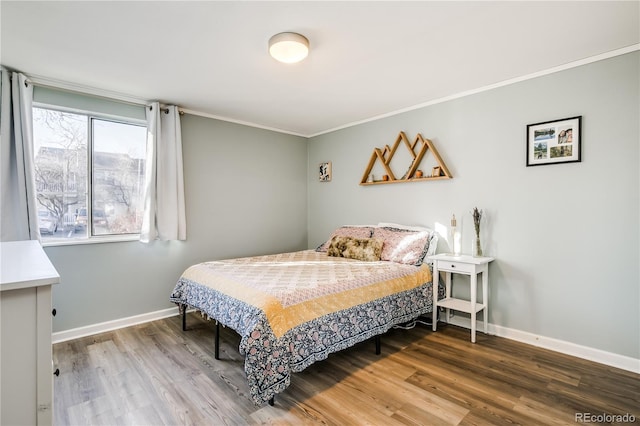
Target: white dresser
x,y
26,370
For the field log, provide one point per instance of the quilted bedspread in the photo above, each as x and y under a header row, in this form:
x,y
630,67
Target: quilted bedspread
x,y
293,309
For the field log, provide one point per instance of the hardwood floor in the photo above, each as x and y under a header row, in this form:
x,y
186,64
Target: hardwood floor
x,y
156,374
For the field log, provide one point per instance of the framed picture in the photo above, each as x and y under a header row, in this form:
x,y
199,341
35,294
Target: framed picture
x,y
435,172
554,142
325,172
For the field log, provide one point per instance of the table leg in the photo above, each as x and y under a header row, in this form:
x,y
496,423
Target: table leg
x,y
434,296
474,290
485,299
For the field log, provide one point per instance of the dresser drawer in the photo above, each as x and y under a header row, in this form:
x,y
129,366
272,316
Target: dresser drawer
x,y
453,266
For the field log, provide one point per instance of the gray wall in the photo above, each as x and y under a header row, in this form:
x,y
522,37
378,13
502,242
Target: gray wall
x,y
566,237
245,195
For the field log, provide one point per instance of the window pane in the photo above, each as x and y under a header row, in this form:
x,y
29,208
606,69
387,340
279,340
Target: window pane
x,y
119,151
60,149
72,206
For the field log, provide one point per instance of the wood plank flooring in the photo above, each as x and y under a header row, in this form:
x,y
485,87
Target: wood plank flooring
x,y
156,374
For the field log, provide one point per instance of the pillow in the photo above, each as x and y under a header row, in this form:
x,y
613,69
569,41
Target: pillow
x,y
347,231
407,227
433,245
404,245
433,241
367,249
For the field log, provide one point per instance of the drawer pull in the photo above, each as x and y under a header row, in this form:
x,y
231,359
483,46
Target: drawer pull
x,y
54,312
57,372
453,266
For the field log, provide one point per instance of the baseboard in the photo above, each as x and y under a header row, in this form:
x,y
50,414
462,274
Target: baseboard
x,y
76,333
567,348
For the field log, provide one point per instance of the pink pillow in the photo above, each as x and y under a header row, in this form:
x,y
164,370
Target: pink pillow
x,y
403,245
347,231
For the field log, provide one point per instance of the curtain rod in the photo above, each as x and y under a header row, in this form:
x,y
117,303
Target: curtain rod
x,y
91,91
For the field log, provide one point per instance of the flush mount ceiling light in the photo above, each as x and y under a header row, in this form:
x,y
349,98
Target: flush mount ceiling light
x,y
288,47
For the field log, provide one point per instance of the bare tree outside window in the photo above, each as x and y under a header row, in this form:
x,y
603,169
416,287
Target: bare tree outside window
x,y
60,166
118,175
116,165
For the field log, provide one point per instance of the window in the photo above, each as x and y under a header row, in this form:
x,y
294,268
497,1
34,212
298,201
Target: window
x,y
89,174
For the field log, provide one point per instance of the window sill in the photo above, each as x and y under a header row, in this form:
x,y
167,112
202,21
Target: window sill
x,y
92,240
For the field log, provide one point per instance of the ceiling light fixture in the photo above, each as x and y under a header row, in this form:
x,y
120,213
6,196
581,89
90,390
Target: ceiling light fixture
x,y
288,47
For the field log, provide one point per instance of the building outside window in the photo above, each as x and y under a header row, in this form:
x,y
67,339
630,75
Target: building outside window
x,y
89,174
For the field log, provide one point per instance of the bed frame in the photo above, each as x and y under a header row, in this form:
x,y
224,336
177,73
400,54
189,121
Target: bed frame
x,y
183,309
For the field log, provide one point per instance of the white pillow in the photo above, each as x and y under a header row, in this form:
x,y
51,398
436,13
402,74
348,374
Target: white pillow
x,y
407,227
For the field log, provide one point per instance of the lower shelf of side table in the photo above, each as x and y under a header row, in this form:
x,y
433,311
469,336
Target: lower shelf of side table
x,y
459,305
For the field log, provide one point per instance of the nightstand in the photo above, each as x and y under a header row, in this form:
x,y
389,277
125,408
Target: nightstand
x,y
464,265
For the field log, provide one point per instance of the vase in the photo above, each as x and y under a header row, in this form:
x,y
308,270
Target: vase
x,y
476,249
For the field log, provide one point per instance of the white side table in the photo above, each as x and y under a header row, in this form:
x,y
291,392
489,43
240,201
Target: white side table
x,y
464,265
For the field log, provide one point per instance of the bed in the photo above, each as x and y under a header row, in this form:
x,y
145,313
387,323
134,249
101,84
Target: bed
x,y
293,309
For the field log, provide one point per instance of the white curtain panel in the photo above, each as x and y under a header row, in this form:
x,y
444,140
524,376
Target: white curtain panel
x,y
164,208
18,204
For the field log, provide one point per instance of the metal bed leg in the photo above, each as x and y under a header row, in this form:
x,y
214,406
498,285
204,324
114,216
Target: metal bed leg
x,y
217,349
272,401
377,344
184,317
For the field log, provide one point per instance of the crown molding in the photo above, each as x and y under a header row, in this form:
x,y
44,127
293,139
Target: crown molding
x,y
574,64
58,84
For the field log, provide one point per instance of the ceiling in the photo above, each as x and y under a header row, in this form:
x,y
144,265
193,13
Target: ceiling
x,y
367,59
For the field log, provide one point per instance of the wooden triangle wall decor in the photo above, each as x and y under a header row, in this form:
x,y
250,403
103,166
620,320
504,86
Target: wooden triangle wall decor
x,y
417,149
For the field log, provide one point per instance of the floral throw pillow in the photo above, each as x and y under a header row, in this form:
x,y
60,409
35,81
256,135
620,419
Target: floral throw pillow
x,y
347,231
365,249
403,245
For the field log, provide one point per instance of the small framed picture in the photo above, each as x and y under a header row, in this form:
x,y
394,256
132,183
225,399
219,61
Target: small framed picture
x,y
325,172
554,142
435,172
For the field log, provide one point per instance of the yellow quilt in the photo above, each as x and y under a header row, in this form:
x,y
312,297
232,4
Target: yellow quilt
x,y
293,288
293,309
